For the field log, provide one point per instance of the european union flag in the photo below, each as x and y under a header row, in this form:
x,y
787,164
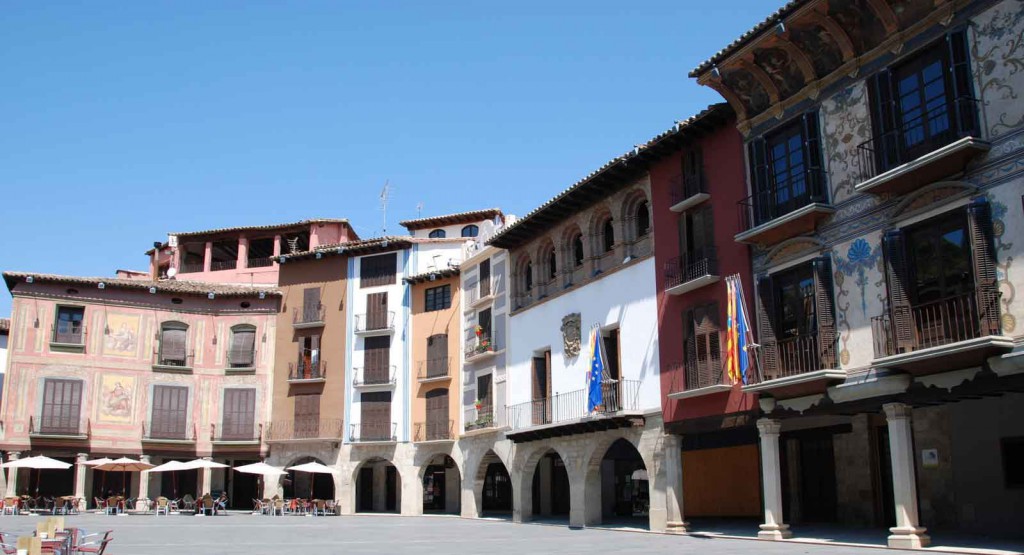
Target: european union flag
x,y
595,397
741,332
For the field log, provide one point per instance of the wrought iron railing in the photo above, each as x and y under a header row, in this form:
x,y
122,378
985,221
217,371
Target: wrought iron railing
x,y
697,372
239,433
375,321
183,433
434,431
481,291
313,314
478,419
261,262
218,265
781,198
691,266
173,360
306,370
933,324
791,356
683,186
478,345
303,428
69,333
433,368
373,431
374,375
931,130
190,267
58,425
617,396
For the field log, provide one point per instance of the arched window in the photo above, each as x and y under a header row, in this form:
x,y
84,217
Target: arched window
x,y
608,235
470,231
552,264
577,250
242,352
439,234
528,277
173,345
643,219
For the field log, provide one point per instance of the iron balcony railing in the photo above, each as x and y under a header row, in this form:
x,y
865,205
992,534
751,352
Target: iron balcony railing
x,y
241,358
303,428
697,372
481,291
691,266
617,396
308,315
434,368
306,370
375,321
684,186
236,432
479,418
260,262
781,198
69,333
434,431
186,432
478,345
915,137
173,360
58,425
373,431
190,267
799,354
374,375
936,323
218,265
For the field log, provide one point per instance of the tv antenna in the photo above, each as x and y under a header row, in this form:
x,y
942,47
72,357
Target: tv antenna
x,y
419,210
384,205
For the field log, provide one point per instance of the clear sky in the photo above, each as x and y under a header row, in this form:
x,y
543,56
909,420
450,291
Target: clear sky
x,y
122,122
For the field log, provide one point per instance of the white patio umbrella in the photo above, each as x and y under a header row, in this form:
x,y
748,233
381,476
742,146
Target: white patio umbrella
x,y
313,468
202,463
38,462
124,465
170,466
262,469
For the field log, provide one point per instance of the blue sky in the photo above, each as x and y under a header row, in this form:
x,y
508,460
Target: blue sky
x,y
123,122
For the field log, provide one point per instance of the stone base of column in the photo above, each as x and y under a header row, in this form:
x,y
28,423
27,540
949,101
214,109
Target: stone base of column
x,y
677,527
774,532
908,538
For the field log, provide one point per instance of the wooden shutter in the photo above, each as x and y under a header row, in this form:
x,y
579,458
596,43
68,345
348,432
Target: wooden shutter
x,y
812,153
690,350
897,276
437,414
307,416
437,355
172,345
375,412
239,414
377,361
983,257
884,122
540,390
377,311
485,278
760,184
826,312
378,270
766,327
314,354
243,344
170,411
62,406
962,83
311,304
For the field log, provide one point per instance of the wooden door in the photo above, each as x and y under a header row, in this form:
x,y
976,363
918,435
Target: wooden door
x,y
311,304
307,416
541,389
377,311
437,355
818,498
437,414
377,353
375,413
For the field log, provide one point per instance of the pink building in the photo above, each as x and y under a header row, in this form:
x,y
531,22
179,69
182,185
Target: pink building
x,y
161,370
241,255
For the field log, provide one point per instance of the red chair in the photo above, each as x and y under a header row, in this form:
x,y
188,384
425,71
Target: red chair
x,y
97,545
5,543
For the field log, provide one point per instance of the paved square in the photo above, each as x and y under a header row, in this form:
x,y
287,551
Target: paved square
x,y
245,534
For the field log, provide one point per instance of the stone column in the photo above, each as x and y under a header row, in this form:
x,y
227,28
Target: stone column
x,y
773,527
380,487
452,490
243,252
577,495
410,492
80,473
277,248
12,474
208,256
906,534
205,479
667,484
144,478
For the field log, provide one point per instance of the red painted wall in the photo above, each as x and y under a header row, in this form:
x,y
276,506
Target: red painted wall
x,y
724,172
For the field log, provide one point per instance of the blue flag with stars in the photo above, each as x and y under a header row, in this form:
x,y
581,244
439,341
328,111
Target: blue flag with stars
x,y
595,398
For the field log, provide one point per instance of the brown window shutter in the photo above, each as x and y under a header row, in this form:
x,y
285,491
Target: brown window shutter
x,y
983,257
437,355
170,410
243,344
376,311
826,312
172,344
485,278
766,327
310,298
375,412
690,349
377,359
897,277
437,414
239,413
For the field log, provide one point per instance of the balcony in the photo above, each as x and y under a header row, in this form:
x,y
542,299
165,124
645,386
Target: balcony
x,y
618,396
890,166
792,367
784,211
236,435
383,376
185,434
180,363
479,418
308,317
479,296
434,431
240,360
190,267
433,370
698,377
303,430
263,262
68,336
956,332
57,427
478,347
373,432
220,265
691,271
375,323
306,371
688,191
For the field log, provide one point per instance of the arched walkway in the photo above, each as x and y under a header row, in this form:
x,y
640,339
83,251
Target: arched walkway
x,y
378,487
493,487
619,485
304,485
549,488
441,485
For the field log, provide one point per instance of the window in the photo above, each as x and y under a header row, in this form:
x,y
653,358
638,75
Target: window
x,y
643,219
697,240
70,325
552,261
312,310
377,314
470,231
170,412
62,406
940,259
375,412
239,419
485,278
786,169
528,277
577,250
377,360
173,345
795,309
692,172
702,346
437,355
308,364
378,270
1013,461
541,394
437,234
483,320
242,352
306,423
437,414
608,235
438,298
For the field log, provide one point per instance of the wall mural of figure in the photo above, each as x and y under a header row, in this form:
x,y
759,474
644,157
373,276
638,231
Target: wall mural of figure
x,y
117,398
121,335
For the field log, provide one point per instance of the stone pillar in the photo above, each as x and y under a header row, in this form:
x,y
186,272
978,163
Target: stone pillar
x,y
144,478
205,479
380,486
12,474
666,487
243,252
452,490
592,478
410,492
277,248
773,527
208,256
544,468
577,495
907,534
80,473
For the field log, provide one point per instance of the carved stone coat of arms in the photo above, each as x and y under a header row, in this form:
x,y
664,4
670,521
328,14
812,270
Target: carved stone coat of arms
x,y
571,334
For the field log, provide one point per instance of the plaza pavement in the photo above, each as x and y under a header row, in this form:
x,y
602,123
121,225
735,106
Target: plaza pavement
x,y
242,533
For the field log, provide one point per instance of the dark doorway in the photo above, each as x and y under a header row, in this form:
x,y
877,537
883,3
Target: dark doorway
x,y
242,488
364,490
391,487
55,483
886,506
174,485
550,487
434,488
372,476
817,479
497,497
305,485
625,493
